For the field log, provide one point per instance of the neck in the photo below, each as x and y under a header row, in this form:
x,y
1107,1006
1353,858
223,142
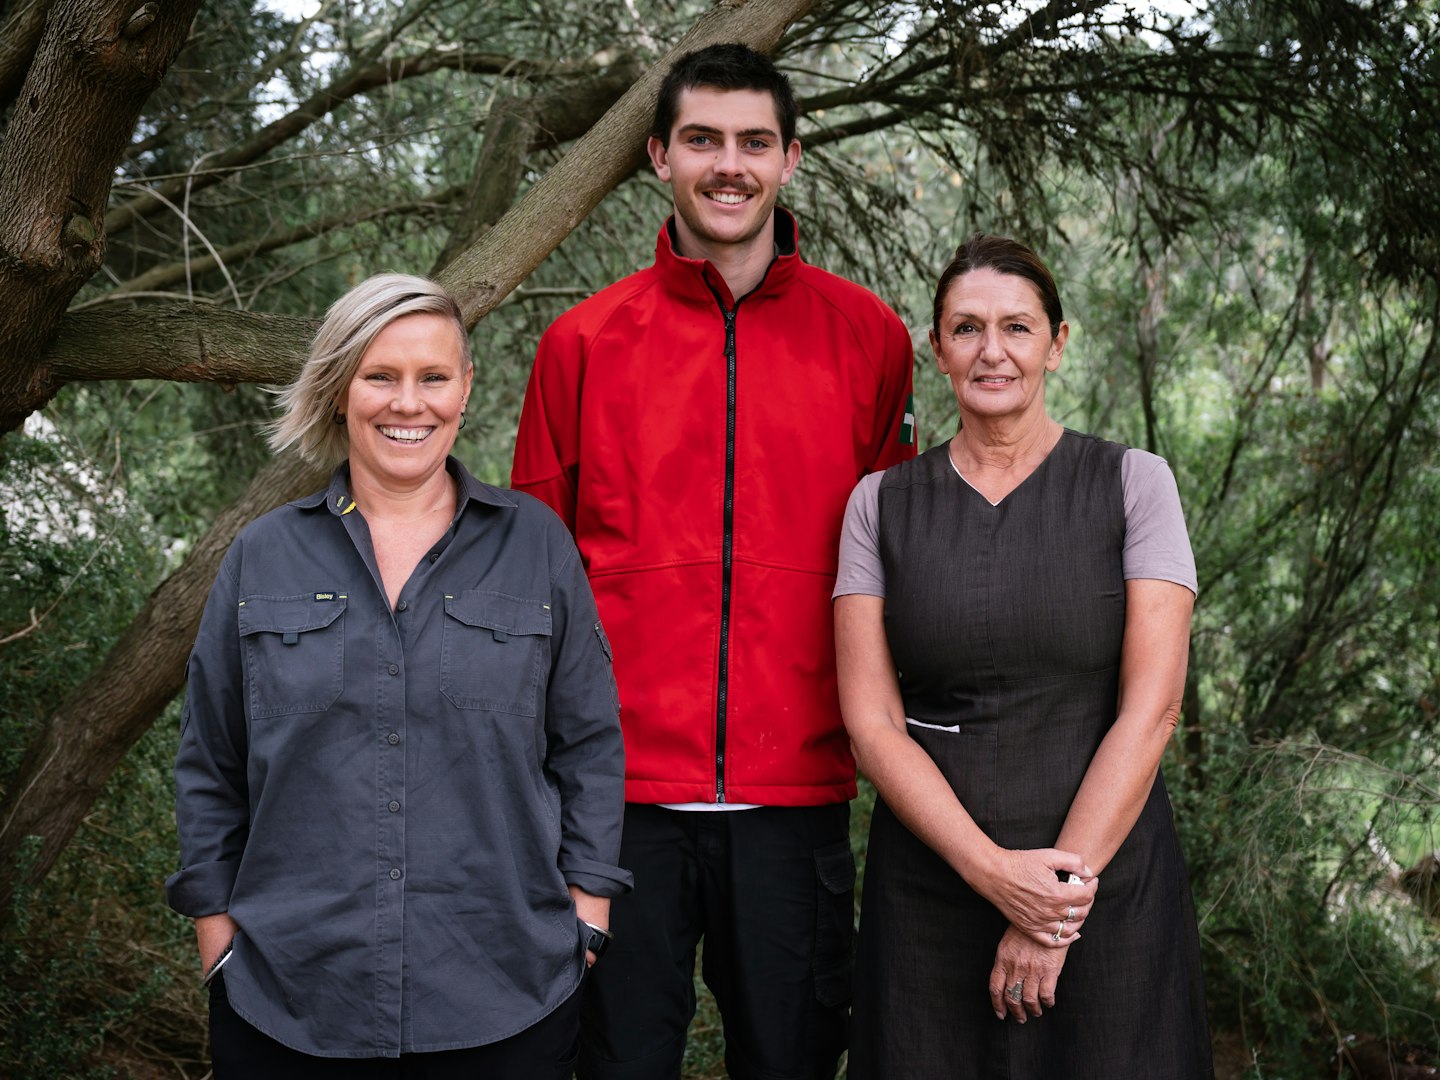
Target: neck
x,y
997,444
382,501
742,265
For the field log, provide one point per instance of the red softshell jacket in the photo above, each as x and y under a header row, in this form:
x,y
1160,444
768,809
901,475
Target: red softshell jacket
x,y
702,451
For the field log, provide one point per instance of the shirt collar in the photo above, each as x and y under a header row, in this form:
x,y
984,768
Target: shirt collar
x,y
700,279
337,499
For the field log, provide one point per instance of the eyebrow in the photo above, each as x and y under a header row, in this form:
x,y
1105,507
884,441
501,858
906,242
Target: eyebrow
x,y
1018,316
706,129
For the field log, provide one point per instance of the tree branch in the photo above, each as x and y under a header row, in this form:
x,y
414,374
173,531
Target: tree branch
x,y
356,81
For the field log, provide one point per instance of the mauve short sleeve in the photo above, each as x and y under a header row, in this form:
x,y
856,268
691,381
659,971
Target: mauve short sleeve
x,y
1156,542
860,568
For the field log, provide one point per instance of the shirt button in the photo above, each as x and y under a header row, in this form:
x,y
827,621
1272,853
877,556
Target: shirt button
x,y
434,555
394,806
394,669
402,605
394,875
392,738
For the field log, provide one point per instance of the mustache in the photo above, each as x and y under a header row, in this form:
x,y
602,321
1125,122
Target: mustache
x,y
738,186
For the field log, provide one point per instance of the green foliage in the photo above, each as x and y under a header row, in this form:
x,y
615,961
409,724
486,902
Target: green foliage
x,y
98,977
1309,942
76,558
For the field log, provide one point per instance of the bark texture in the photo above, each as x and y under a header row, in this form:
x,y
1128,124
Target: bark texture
x,y
96,63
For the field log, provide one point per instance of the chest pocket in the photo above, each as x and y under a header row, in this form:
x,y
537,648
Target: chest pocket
x,y
294,653
494,650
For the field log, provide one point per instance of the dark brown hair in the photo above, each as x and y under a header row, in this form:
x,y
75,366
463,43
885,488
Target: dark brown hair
x,y
724,67
1004,256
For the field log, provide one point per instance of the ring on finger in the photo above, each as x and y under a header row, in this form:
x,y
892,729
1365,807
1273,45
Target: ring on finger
x,y
1060,932
1070,915
1015,991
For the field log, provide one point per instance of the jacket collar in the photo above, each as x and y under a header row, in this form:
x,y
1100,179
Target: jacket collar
x,y
337,496
698,279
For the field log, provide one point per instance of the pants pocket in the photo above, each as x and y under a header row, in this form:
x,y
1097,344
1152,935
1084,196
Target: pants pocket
x,y
834,923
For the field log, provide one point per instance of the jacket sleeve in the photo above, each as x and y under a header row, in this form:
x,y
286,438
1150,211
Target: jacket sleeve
x,y
547,444
584,751
896,432
212,811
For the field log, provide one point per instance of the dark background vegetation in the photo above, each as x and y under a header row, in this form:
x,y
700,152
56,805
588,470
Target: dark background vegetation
x,y
1238,198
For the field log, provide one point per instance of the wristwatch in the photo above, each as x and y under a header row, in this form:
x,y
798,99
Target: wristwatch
x,y
599,939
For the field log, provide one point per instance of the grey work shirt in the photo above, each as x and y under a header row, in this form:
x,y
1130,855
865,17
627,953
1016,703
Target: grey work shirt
x,y
390,803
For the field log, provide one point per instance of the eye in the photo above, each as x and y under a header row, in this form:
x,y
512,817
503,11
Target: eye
x,y
756,144
377,377
1018,328
437,377
700,140
964,329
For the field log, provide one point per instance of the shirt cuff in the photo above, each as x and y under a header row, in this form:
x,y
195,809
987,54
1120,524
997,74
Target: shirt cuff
x,y
597,878
202,889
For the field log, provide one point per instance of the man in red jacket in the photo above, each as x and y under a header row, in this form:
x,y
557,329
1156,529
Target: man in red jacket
x,y
699,425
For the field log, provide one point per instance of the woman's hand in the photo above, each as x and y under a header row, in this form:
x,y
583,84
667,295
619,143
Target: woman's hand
x,y
1022,982
591,909
1026,887
213,933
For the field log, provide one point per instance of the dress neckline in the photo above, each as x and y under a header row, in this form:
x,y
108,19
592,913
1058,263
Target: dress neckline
x,y
950,460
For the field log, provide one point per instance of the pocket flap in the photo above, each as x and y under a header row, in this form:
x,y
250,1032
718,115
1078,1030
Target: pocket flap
x,y
835,866
287,614
497,611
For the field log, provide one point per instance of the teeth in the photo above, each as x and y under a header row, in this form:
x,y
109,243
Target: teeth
x,y
406,434
728,198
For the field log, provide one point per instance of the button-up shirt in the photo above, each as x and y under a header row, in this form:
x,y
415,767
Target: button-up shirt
x,y
390,803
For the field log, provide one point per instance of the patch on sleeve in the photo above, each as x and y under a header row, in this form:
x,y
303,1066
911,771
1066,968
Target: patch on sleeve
x,y
907,425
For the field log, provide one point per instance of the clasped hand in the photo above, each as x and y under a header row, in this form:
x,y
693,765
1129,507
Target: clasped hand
x,y
1032,889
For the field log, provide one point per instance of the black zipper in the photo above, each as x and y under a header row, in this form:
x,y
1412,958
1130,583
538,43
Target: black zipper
x,y
727,548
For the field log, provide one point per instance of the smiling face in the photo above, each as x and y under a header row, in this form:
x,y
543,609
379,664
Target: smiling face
x,y
995,345
404,404
725,163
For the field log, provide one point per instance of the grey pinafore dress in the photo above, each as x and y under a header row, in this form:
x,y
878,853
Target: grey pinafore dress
x,y
1005,624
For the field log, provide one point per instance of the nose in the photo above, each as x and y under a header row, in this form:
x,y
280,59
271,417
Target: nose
x,y
991,350
730,162
407,397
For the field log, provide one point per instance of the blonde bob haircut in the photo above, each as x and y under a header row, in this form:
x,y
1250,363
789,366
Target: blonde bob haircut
x,y
310,406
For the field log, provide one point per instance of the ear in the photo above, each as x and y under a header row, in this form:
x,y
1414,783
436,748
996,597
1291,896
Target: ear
x,y
1057,347
792,158
468,379
939,356
659,158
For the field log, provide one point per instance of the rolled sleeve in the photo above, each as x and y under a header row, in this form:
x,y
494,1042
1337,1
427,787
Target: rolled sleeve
x,y
211,790
585,753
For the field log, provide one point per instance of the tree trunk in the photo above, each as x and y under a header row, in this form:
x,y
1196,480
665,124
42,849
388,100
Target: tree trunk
x,y
95,65
86,738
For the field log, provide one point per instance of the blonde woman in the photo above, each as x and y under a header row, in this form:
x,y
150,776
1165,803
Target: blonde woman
x,y
399,785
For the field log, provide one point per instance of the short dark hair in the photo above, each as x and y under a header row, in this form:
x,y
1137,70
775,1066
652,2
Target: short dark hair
x,y
1004,256
729,66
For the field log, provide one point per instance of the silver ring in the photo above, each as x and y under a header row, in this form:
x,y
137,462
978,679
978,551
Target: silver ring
x,y
1014,992
1070,915
1058,933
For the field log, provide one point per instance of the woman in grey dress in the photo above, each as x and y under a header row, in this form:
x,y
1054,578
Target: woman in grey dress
x,y
1012,625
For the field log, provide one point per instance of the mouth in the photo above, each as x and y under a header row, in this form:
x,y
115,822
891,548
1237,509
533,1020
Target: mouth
x,y
729,198
995,380
406,435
